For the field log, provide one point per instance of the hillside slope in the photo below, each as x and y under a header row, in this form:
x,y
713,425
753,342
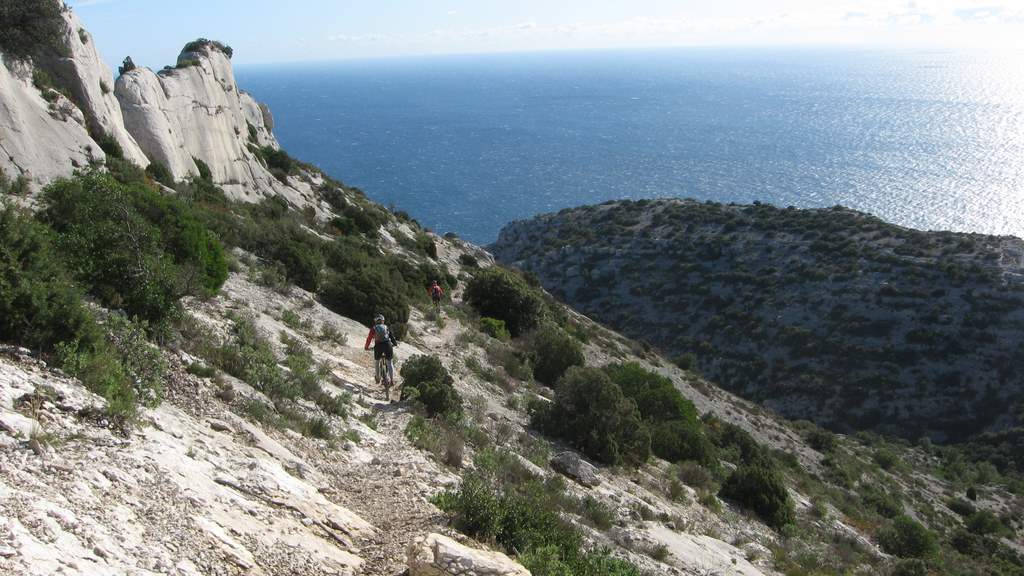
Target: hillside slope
x,y
184,390
826,315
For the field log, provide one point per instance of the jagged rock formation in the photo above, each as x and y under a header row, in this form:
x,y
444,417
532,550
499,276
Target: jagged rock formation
x,y
827,315
174,117
196,111
88,79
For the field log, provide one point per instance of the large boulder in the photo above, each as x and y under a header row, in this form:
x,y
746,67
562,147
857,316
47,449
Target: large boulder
x,y
571,465
437,555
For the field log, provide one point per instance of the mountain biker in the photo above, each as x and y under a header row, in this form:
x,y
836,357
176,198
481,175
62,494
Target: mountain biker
x,y
384,343
436,292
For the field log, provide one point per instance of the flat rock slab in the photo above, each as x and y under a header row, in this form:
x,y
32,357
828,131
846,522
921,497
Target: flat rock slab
x,y
437,555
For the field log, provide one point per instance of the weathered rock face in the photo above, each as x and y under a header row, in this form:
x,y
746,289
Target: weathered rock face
x,y
197,111
437,555
173,117
571,465
145,109
40,140
89,81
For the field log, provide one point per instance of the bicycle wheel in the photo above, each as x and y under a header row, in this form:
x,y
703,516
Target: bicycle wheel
x,y
385,378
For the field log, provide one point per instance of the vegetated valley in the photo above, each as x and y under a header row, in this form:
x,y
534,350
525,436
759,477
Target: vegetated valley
x,y
184,390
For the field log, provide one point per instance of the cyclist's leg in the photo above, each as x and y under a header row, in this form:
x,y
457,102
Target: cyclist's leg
x,y
377,366
390,355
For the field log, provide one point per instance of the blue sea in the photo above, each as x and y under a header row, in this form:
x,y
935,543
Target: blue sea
x,y
926,139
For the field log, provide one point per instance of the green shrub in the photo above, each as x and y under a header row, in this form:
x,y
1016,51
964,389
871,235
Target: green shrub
x,y
361,293
655,395
20,186
552,351
468,260
961,507
910,567
425,379
696,476
678,440
885,502
495,328
161,173
984,523
592,414
39,304
686,361
760,488
204,169
123,368
499,293
523,518
907,538
110,146
201,43
885,458
32,28
821,440
132,247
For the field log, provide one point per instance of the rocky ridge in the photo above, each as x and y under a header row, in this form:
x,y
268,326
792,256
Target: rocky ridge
x,y
825,315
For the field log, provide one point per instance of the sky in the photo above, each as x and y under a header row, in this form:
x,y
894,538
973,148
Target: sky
x,y
272,31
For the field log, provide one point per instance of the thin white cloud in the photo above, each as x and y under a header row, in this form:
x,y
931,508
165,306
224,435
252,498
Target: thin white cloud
x,y
860,20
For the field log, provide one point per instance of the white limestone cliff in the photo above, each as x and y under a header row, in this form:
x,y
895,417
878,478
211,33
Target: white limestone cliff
x,y
198,112
40,140
89,81
174,117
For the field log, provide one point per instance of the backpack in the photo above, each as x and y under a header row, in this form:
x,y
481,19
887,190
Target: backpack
x,y
380,333
435,291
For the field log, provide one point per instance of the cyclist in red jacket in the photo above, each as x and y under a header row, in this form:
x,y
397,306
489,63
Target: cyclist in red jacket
x,y
436,293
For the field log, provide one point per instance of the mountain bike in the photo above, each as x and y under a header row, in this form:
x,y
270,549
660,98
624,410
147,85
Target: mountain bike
x,y
382,375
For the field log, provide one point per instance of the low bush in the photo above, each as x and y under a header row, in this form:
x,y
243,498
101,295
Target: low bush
x,y
677,440
885,502
907,538
984,523
760,488
676,431
552,351
686,361
495,328
32,28
592,414
132,247
521,514
910,567
124,368
427,381
655,395
39,304
161,173
502,294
